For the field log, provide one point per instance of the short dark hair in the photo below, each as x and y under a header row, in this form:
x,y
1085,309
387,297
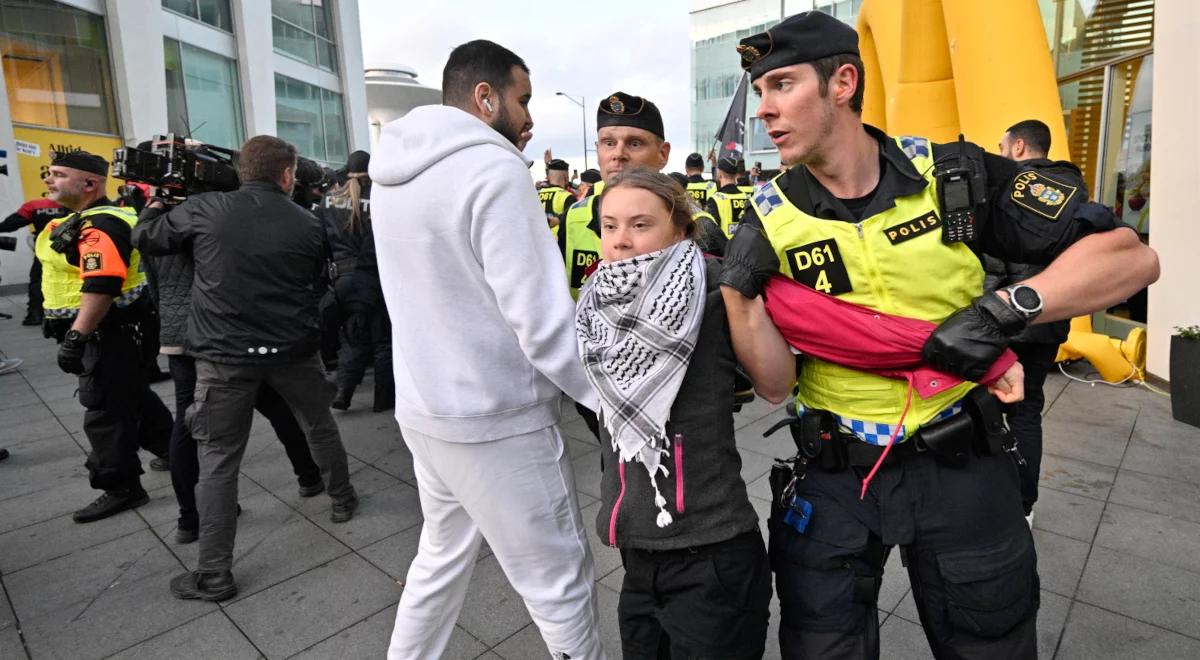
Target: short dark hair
x,y
265,157
475,62
1034,132
827,66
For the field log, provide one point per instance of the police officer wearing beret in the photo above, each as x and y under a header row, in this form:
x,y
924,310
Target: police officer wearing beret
x,y
729,203
95,300
859,216
554,196
629,133
697,186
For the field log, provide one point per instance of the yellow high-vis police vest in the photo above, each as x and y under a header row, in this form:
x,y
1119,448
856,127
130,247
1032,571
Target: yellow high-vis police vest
x,y
749,190
730,208
554,199
582,245
700,191
61,280
894,262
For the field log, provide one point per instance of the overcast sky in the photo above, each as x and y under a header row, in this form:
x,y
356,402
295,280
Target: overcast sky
x,y
640,47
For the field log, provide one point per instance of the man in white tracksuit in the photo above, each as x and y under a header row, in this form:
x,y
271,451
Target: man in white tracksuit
x,y
483,345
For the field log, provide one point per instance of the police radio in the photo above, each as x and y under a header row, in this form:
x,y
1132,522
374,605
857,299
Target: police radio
x,y
960,190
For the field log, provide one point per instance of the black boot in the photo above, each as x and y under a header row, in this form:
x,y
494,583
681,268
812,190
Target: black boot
x,y
111,503
204,586
385,394
341,400
32,318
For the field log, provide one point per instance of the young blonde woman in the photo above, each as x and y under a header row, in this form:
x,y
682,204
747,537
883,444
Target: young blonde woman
x,y
655,343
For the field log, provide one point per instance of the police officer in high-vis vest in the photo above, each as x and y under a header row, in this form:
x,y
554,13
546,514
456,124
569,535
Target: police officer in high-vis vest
x,y
697,186
554,197
629,133
859,216
95,299
729,202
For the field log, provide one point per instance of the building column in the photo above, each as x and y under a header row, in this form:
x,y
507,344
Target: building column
x,y
256,53
351,72
135,38
1175,234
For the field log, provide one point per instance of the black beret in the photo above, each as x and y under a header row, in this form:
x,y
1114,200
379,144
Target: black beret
x,y
590,176
359,161
679,178
621,109
727,165
558,164
80,160
694,160
804,37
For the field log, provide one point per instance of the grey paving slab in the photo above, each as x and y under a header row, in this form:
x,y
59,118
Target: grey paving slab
x,y
394,554
399,463
10,635
754,465
1142,589
1051,616
606,557
58,537
381,513
44,427
1067,514
209,636
1166,540
370,638
895,583
109,597
778,444
1165,448
493,610
1079,477
1060,561
1162,495
15,400
295,614
899,638
1093,633
587,473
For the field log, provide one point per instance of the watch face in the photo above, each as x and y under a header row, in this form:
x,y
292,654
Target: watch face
x,y
1027,298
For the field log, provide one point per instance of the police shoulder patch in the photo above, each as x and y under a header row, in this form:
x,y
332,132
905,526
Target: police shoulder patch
x,y
1041,194
767,199
914,147
91,261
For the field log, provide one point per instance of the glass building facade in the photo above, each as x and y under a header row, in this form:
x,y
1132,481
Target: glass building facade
x,y
202,95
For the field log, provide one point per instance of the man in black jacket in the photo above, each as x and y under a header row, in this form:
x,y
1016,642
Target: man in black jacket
x,y
258,262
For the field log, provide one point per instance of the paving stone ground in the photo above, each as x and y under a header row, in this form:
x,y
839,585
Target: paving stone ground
x,y
1117,530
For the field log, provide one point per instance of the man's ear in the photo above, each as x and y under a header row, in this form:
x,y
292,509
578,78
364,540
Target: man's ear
x,y
485,96
664,152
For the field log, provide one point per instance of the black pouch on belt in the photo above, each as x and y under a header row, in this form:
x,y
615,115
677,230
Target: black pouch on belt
x,y
950,439
991,437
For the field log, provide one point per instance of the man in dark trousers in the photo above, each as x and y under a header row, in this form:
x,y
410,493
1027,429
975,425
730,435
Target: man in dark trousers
x,y
1028,142
258,261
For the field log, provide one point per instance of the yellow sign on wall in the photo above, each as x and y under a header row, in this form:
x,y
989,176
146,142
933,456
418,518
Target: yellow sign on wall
x,y
34,145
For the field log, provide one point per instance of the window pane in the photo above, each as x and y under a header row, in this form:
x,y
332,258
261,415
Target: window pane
x,y
214,103
177,119
321,20
185,7
56,66
298,12
335,128
1096,32
216,13
298,116
326,55
1081,102
294,41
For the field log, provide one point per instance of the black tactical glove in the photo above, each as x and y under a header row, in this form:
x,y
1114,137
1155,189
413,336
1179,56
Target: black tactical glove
x,y
968,342
70,352
357,325
749,261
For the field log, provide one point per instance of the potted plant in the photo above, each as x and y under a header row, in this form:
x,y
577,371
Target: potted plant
x,y
1185,374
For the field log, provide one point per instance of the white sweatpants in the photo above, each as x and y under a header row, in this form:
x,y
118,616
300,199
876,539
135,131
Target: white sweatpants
x,y
519,494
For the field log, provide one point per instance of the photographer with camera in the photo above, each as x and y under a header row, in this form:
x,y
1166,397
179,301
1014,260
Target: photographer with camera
x,y
35,214
258,262
95,301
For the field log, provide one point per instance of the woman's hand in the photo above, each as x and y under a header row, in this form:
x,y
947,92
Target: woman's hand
x,y
1010,388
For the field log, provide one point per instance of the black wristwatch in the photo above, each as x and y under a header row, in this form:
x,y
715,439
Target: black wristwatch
x,y
74,335
1025,300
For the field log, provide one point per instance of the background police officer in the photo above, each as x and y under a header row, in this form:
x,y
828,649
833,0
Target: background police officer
x,y
95,298
554,196
697,186
36,214
730,201
833,222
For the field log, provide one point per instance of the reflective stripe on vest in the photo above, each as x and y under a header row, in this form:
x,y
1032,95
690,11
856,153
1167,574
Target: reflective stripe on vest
x,y
61,280
730,208
894,262
582,244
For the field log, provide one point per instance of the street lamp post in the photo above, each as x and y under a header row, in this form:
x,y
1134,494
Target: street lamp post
x,y
582,103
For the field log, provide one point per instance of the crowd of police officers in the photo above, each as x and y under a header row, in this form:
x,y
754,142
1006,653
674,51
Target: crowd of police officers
x,y
942,492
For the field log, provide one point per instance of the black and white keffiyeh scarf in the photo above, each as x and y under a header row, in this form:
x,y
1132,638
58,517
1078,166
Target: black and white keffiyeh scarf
x,y
637,322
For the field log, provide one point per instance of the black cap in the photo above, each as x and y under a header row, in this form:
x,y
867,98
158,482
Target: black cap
x,y
590,176
358,162
801,38
621,109
694,160
727,165
679,178
80,160
559,165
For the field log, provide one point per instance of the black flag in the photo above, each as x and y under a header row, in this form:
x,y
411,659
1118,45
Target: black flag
x,y
732,135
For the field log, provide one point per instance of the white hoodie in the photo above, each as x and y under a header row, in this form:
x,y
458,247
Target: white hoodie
x,y
483,328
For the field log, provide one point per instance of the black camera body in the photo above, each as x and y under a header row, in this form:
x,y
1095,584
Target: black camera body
x,y
176,168
8,243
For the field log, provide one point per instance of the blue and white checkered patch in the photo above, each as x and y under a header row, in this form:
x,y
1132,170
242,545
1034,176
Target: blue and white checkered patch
x,y
877,433
767,198
914,146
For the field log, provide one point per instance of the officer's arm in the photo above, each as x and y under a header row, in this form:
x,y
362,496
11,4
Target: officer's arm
x,y
1042,216
159,231
104,252
709,236
14,222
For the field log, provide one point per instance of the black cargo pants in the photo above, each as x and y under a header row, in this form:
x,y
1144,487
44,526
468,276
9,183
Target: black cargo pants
x,y
962,536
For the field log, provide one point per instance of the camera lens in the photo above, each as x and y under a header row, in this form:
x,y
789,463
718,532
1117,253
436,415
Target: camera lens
x,y
8,243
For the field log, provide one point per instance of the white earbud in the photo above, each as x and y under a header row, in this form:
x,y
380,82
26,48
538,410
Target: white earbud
x,y
488,104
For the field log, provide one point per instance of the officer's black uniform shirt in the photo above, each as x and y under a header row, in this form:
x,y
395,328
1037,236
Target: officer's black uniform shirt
x,y
1007,229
